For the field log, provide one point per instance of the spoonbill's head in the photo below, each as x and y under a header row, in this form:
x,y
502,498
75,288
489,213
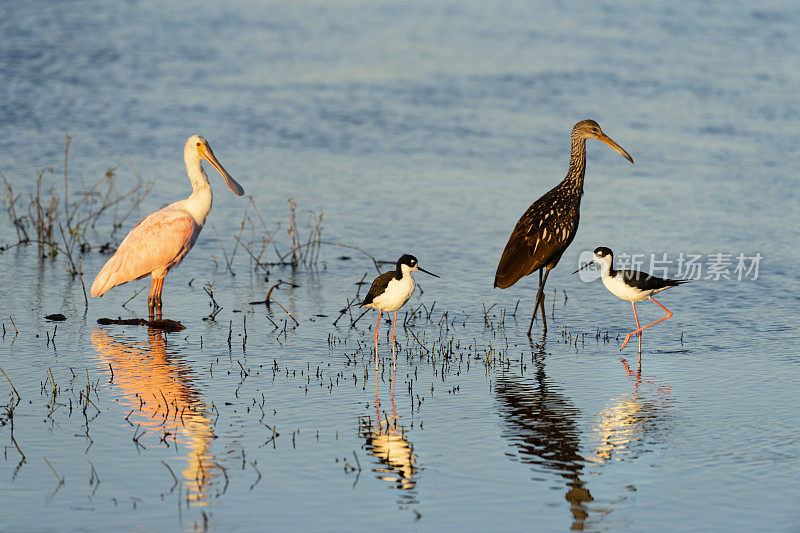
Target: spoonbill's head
x,y
204,152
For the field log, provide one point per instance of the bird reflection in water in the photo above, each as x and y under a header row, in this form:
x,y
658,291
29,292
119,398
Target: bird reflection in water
x,y
541,425
386,440
632,421
157,386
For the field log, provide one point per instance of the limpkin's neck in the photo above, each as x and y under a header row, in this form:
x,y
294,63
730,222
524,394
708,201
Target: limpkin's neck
x,y
577,164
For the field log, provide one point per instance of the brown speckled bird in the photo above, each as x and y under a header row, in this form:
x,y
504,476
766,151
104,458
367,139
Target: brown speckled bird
x,y
547,228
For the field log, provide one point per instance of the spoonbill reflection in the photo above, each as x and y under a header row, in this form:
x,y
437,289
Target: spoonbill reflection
x,y
157,388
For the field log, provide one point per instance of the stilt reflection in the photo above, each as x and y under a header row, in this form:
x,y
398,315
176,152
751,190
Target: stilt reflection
x,y
386,440
157,387
632,421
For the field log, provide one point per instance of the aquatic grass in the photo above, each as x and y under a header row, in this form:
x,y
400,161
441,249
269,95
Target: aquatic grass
x,y
303,249
101,202
58,226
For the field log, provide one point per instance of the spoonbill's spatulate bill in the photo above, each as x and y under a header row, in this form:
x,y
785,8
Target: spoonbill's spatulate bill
x,y
161,240
548,226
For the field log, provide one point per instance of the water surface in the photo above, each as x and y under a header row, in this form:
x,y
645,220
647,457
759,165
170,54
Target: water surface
x,y
422,128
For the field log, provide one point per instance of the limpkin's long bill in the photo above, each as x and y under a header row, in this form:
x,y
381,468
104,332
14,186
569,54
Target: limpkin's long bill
x,y
609,141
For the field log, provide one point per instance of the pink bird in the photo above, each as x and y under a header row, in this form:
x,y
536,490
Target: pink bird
x,y
161,240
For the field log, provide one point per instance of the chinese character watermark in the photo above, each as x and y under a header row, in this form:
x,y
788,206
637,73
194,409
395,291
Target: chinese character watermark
x,y
718,266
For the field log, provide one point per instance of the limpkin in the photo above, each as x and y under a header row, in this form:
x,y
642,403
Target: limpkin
x,y
631,285
549,225
391,290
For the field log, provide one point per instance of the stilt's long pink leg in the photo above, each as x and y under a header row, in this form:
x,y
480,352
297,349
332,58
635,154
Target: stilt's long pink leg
x,y
636,315
640,333
377,403
376,341
639,330
390,423
394,322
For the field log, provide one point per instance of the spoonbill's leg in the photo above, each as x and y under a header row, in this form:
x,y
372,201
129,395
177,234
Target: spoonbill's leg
x,y
157,297
158,292
151,300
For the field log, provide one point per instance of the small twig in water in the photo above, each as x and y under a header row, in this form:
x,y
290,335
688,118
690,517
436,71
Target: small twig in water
x,y
12,385
134,296
171,473
59,478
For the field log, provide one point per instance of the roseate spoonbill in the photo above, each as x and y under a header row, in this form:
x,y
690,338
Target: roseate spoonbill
x,y
161,240
631,285
547,228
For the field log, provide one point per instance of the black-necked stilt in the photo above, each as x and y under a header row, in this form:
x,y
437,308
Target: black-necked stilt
x,y
630,285
547,228
391,290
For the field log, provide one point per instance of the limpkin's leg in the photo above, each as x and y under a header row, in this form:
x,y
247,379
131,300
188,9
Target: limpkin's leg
x,y
540,301
394,323
536,303
639,330
376,341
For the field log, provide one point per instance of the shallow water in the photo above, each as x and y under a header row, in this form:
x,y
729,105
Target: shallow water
x,y
426,129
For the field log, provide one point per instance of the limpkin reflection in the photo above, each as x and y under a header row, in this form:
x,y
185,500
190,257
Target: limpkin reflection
x,y
157,387
632,421
386,441
541,424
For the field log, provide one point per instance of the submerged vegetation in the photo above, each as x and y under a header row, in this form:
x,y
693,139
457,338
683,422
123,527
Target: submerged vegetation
x,y
55,224
157,399
256,239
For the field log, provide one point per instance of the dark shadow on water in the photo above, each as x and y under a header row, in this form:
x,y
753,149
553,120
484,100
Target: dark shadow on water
x,y
387,442
170,326
541,426
157,386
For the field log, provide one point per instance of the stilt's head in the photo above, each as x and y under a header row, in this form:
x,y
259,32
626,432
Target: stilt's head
x,y
408,263
197,148
589,129
604,257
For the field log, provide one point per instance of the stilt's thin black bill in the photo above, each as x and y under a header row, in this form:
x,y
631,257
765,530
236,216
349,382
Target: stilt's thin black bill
x,y
586,265
429,273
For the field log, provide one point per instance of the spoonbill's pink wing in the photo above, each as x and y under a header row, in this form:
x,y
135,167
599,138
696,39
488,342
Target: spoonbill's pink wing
x,y
156,244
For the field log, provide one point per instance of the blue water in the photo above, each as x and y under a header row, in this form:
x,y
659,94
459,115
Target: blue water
x,y
425,128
